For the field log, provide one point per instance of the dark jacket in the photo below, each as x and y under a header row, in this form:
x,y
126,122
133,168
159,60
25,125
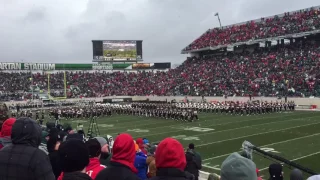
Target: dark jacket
x,y
54,161
53,154
193,163
170,174
117,171
76,176
23,159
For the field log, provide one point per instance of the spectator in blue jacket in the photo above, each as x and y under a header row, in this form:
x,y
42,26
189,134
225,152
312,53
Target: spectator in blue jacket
x,y
140,163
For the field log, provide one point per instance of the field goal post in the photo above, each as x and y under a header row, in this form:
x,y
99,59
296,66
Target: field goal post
x,y
64,86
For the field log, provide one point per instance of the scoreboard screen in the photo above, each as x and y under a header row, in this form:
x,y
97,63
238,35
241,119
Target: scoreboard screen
x,y
117,50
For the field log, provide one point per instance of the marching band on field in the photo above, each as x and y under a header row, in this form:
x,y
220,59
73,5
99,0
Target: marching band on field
x,y
177,111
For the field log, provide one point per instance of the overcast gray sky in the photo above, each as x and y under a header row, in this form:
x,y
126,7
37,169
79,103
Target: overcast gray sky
x,y
60,31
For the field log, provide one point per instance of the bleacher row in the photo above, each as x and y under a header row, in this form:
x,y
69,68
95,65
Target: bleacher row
x,y
287,23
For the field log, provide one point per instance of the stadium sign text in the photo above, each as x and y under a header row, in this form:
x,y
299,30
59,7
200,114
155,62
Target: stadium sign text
x,y
10,66
27,66
39,66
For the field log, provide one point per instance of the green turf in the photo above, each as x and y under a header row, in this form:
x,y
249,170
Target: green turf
x,y
294,135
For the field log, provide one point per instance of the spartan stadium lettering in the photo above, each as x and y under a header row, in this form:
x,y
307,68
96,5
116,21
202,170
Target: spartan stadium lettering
x,y
10,66
39,66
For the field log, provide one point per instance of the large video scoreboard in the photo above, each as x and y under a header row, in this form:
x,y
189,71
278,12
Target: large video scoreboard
x,y
117,50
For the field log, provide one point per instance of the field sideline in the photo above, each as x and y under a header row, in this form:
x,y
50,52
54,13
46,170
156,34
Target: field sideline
x,y
293,135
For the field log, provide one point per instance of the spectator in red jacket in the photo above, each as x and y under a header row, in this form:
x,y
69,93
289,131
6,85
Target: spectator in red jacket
x,y
94,166
122,161
170,160
5,134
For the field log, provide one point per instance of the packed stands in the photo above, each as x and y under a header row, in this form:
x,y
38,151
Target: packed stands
x,y
287,23
292,69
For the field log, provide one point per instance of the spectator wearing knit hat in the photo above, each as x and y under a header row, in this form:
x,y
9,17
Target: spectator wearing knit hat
x,y
170,160
296,174
74,157
122,162
275,171
105,151
94,166
26,160
237,167
5,134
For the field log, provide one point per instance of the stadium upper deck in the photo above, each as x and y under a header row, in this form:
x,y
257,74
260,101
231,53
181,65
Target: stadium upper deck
x,y
287,25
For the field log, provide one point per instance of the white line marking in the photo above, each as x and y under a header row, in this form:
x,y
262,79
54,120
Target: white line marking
x,y
203,123
256,134
302,157
226,124
280,142
213,125
212,167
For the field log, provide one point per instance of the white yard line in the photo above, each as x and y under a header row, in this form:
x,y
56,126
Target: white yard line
x,y
302,157
204,123
255,134
213,125
212,167
280,142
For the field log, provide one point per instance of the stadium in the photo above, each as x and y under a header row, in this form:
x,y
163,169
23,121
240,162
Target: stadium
x,y
251,88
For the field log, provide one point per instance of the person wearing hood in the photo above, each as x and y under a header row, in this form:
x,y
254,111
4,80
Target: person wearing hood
x,y
24,155
139,141
170,161
140,163
296,174
237,167
122,161
5,134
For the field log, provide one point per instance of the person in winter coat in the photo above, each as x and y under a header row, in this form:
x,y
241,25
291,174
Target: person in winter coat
x,y
151,162
122,162
141,164
74,157
5,134
193,161
170,161
94,166
23,159
43,145
53,146
106,154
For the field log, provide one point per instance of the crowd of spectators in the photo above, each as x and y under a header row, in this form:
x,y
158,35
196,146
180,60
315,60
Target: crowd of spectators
x,y
291,70
289,23
30,152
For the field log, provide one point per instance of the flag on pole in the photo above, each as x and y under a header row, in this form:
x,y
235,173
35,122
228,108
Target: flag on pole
x,y
216,14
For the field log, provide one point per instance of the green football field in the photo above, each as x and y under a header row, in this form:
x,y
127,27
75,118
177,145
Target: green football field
x,y
292,135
